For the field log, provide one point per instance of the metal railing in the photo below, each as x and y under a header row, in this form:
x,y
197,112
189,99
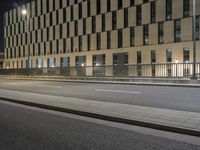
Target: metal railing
x,y
171,70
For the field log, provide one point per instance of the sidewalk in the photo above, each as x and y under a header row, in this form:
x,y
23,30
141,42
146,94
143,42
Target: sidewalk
x,y
180,82
157,118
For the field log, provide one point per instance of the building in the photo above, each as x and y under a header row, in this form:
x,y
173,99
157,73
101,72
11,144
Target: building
x,y
1,59
69,33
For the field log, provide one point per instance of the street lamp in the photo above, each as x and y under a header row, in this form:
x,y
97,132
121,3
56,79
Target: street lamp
x,y
26,14
194,39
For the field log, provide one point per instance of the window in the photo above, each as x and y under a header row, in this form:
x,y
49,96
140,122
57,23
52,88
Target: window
x,y
120,4
160,33
146,34
89,42
153,56
80,61
146,1
168,9
139,57
132,36
72,44
114,20
61,4
64,45
108,5
125,17
76,28
51,62
93,24
153,11
84,26
139,15
80,43
132,2
186,55
64,61
177,32
98,41
186,8
39,63
72,13
98,7
120,59
88,8
99,60
120,38
80,10
169,55
108,40
103,22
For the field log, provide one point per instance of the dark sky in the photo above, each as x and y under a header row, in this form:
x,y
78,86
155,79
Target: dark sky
x,y
6,5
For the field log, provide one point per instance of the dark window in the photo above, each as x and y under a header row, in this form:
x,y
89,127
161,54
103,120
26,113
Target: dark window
x,y
146,34
84,26
177,32
75,1
186,55
98,3
57,17
153,56
76,28
54,5
160,33
114,20
186,8
139,15
68,31
72,13
139,57
132,36
88,8
120,4
61,31
80,10
61,4
132,2
125,17
93,24
64,15
168,9
72,44
89,42
80,43
169,55
146,1
54,32
108,40
51,19
47,6
108,5
36,8
103,22
153,11
120,38
64,45
98,41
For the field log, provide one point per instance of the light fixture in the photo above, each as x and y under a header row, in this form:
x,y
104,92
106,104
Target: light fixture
x,y
176,61
24,12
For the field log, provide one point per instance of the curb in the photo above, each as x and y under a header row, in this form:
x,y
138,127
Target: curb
x,y
108,118
169,84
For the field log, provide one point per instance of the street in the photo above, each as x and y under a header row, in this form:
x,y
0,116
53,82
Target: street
x,y
28,128
177,98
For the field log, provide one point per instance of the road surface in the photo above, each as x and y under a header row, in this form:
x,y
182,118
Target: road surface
x,y
28,128
178,98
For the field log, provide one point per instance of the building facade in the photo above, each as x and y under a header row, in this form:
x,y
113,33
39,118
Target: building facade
x,y
69,33
1,59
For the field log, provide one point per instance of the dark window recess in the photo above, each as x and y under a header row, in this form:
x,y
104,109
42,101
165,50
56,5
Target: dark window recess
x,y
103,23
84,26
146,34
161,33
72,13
186,8
132,2
72,44
61,31
139,15
80,10
114,20
153,56
177,29
139,57
169,55
125,17
153,11
186,55
80,43
120,4
89,42
64,15
88,8
120,38
76,28
108,5
98,41
93,24
98,3
108,40
168,9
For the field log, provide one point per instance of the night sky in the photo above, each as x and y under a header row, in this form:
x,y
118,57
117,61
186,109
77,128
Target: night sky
x,y
6,5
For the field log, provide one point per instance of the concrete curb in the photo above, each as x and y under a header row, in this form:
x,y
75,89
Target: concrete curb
x,y
168,84
108,118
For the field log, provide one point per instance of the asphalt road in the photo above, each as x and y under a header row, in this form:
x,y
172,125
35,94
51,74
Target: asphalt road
x,y
178,98
27,128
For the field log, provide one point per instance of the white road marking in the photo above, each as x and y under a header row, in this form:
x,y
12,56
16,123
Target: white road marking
x,y
49,86
114,91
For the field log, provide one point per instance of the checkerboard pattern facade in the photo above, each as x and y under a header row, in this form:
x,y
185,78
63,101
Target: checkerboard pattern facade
x,y
91,28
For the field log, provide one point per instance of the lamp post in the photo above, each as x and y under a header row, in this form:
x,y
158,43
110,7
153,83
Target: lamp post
x,y
26,14
194,39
